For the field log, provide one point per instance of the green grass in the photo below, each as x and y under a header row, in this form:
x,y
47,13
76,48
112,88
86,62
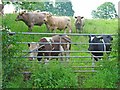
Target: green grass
x,y
92,26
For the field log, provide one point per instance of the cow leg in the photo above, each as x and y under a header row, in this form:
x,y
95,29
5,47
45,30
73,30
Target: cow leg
x,y
48,27
64,30
54,29
66,59
69,28
67,53
67,56
29,29
93,62
76,30
61,58
81,29
40,58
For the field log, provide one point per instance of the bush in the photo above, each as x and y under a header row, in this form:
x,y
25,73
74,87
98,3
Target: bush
x,y
54,76
106,77
11,66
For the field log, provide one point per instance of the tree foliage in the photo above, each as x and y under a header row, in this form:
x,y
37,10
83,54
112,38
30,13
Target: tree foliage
x,y
64,8
31,5
106,11
60,8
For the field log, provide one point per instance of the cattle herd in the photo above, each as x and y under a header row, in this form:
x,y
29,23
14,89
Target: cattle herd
x,y
60,45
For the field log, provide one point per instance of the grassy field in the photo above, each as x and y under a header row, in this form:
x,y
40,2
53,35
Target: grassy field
x,y
92,26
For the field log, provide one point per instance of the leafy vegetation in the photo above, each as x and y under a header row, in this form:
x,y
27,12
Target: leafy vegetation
x,y
11,66
58,8
106,77
54,74
105,11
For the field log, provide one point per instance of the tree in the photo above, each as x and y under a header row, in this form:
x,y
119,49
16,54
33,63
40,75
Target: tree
x,y
60,8
50,8
106,11
32,6
64,8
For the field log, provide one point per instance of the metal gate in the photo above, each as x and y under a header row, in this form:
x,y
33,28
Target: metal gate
x,y
80,57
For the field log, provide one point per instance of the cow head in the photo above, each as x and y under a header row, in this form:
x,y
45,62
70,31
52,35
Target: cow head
x,y
47,16
33,47
108,37
94,39
78,19
20,16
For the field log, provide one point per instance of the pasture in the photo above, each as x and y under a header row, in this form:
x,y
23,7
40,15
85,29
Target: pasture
x,y
80,46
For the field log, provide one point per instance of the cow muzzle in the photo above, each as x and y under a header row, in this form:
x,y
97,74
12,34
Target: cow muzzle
x,y
78,22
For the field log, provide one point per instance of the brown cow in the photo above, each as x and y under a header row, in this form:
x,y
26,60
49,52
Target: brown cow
x,y
55,45
31,19
58,22
79,23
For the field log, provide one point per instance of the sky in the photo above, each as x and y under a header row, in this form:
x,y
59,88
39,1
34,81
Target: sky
x,y
85,7
82,7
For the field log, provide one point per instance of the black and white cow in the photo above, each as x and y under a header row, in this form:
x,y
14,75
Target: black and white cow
x,y
55,45
99,43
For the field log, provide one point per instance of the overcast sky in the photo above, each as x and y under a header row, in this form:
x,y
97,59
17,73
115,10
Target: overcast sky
x,y
85,7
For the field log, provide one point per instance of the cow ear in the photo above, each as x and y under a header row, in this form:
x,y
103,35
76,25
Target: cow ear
x,y
110,37
82,17
24,11
75,16
28,44
50,15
